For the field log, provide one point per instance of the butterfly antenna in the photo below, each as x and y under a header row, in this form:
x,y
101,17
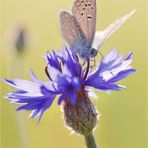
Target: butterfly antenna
x,y
100,53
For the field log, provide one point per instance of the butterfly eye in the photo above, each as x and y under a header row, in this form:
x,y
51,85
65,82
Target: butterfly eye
x,y
92,51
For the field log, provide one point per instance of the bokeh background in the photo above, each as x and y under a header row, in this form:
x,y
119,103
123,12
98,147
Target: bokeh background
x,y
123,120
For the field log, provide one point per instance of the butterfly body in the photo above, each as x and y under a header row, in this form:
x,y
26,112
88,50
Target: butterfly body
x,y
84,52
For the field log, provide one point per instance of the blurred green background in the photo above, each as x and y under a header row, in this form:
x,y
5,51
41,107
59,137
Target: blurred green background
x,y
123,120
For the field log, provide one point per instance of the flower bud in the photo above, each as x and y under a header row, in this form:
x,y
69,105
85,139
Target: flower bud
x,y
81,117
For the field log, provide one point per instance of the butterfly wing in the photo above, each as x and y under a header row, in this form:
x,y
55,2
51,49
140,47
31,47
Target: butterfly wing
x,y
102,36
71,30
85,13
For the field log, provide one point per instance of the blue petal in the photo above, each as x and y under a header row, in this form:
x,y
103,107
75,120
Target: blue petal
x,y
122,75
73,65
39,119
61,98
33,77
73,98
93,80
46,91
52,60
62,82
109,86
129,56
30,106
10,82
37,98
101,79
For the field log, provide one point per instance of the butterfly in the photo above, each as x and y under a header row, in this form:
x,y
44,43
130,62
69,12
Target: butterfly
x,y
79,28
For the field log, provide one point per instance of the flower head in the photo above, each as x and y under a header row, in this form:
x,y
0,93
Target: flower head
x,y
68,79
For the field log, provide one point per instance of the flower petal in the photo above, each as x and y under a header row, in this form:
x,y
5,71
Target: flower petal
x,y
34,96
73,98
113,67
121,75
52,60
61,98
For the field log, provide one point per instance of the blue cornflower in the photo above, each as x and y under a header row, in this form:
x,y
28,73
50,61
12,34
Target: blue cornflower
x,y
69,80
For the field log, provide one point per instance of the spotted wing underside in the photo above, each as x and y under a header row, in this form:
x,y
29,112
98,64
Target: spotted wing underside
x,y
85,13
71,31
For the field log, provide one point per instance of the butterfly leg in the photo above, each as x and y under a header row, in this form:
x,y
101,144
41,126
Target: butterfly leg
x,y
87,69
94,63
84,62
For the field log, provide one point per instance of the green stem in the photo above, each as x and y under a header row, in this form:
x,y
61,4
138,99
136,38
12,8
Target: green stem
x,y
90,141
